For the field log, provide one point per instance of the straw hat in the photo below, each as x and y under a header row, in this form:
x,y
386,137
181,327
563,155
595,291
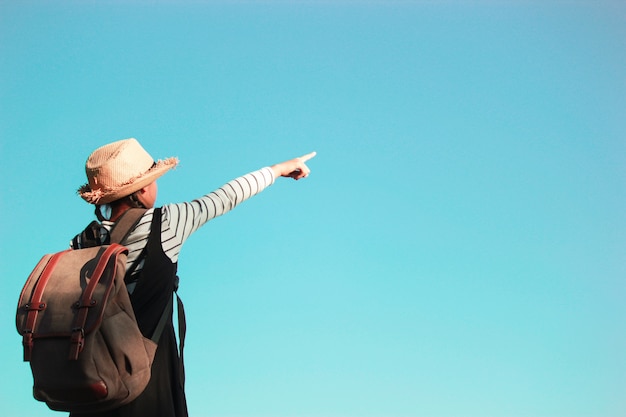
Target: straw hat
x,y
119,169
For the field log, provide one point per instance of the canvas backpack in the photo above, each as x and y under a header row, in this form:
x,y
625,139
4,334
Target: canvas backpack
x,y
79,332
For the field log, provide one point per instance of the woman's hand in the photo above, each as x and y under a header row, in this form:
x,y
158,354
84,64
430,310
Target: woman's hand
x,y
295,168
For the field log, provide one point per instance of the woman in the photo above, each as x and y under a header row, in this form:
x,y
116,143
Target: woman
x,y
122,175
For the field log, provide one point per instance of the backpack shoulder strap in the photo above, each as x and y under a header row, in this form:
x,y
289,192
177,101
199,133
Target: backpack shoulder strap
x,y
125,224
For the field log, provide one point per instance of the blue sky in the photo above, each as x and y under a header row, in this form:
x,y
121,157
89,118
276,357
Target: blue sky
x,y
458,250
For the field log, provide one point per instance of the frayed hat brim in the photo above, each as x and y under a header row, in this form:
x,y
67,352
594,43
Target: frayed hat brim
x,y
107,195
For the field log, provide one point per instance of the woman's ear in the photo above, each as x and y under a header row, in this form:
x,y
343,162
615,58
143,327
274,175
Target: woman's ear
x,y
147,195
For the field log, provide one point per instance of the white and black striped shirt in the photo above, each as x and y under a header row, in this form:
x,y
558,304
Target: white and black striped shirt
x,y
179,221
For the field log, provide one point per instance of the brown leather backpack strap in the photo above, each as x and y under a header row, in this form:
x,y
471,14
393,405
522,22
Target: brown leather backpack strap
x,y
86,300
36,303
125,224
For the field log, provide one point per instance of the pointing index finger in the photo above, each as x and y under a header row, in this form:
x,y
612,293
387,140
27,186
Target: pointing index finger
x,y
308,156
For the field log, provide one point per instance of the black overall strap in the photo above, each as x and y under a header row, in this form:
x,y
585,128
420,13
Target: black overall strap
x,y
120,231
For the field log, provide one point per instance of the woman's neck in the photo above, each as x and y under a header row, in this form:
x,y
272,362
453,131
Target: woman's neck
x,y
118,210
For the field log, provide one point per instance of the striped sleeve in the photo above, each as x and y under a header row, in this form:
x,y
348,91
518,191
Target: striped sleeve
x,y
181,220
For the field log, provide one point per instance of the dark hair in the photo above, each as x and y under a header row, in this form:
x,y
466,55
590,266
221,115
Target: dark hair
x,y
130,200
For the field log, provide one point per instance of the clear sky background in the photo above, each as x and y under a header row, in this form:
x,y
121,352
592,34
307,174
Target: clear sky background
x,y
458,250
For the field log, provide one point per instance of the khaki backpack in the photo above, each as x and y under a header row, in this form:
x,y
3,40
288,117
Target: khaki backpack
x,y
79,331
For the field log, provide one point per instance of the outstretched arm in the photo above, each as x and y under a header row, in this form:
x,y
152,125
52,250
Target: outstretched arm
x,y
295,168
181,220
